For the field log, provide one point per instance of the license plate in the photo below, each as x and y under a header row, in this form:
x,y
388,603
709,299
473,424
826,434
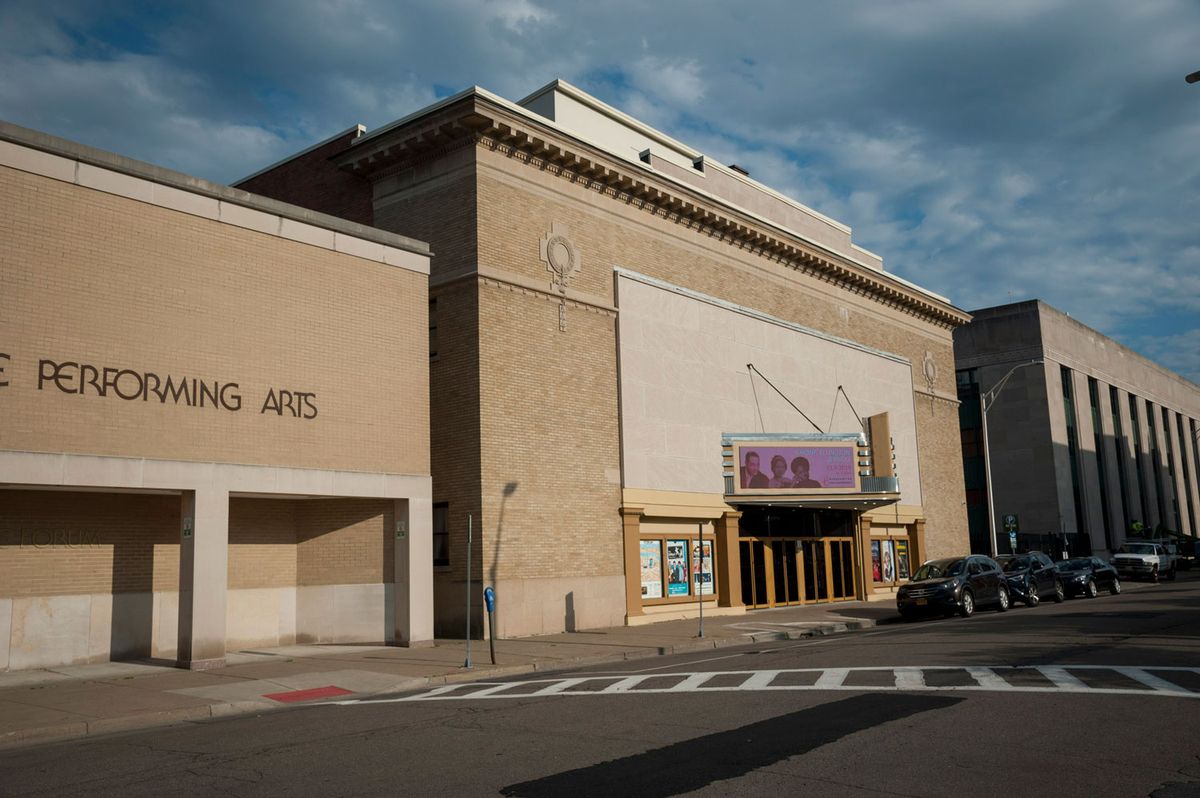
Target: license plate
x,y
922,602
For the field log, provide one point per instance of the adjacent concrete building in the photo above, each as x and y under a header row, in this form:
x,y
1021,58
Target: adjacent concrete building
x,y
617,325
213,417
1085,442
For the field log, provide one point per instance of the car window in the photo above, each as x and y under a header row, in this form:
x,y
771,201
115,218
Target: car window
x,y
1018,563
974,567
1096,563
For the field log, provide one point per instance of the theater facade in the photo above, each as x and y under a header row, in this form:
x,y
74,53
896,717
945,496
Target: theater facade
x,y
213,418
616,322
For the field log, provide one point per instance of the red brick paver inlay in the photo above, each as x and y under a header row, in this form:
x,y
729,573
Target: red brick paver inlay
x,y
307,695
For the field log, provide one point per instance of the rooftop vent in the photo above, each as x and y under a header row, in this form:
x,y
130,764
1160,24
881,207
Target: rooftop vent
x,y
739,169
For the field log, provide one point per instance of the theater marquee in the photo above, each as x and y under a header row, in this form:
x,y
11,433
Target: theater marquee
x,y
790,464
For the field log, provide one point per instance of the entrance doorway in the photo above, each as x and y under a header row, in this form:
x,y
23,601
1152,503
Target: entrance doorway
x,y
778,572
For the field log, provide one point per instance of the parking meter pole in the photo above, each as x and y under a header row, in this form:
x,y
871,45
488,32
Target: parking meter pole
x,y
489,601
467,664
700,581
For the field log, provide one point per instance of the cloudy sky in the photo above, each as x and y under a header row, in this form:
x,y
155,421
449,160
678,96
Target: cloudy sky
x,y
991,150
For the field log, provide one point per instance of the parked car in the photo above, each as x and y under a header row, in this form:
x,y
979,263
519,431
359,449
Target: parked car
x,y
955,584
1087,576
1139,559
1031,576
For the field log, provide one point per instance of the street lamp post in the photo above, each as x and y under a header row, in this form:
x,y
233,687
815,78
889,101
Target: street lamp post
x,y
986,400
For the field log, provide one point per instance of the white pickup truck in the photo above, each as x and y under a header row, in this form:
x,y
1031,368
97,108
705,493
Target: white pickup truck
x,y
1143,560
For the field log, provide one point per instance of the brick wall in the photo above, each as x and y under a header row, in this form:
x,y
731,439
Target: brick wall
x,y
262,542
344,541
60,543
550,438
65,543
90,277
310,181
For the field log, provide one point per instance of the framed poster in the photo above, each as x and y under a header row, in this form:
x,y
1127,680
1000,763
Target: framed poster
x,y
902,559
888,560
651,554
677,568
702,568
876,562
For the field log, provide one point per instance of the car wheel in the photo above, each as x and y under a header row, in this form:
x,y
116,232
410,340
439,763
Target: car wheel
x,y
1032,599
966,607
1002,606
1154,574
1091,588
1116,586
1059,592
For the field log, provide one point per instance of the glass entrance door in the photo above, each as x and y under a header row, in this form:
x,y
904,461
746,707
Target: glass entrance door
x,y
777,572
828,569
754,567
784,554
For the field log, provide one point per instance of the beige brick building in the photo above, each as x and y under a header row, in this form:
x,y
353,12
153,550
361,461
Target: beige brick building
x,y
213,417
614,318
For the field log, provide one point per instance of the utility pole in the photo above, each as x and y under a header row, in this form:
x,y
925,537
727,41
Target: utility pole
x,y
986,400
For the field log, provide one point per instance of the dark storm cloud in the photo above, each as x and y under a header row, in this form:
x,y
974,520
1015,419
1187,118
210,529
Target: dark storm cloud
x,y
992,152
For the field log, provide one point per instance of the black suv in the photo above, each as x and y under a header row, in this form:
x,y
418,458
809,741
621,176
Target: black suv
x,y
1032,577
955,584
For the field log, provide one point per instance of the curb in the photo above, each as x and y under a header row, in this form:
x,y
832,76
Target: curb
x,y
173,717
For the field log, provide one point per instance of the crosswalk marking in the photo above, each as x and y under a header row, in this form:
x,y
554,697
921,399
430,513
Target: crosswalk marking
x,y
831,678
910,678
1150,680
693,681
987,678
1062,679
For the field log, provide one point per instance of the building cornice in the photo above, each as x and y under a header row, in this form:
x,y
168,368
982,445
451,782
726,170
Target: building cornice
x,y
479,118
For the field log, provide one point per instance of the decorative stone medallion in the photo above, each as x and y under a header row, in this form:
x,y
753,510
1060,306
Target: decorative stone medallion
x,y
930,369
561,257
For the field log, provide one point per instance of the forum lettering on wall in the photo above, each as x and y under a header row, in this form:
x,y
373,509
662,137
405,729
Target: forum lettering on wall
x,y
131,385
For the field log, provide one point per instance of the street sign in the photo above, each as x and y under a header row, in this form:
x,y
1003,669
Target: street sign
x,y
1012,541
1011,524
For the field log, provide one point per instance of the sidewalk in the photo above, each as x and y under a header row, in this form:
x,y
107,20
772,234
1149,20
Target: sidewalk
x,y
81,700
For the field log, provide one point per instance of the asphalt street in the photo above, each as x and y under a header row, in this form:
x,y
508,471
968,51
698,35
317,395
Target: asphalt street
x,y
1093,697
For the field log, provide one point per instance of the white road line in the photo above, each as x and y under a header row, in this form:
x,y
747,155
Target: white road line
x,y
624,684
558,687
692,682
1150,680
487,691
759,680
987,679
910,679
832,677
1062,679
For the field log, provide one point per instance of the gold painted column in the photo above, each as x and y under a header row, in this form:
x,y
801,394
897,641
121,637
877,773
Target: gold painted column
x,y
729,570
631,523
866,577
917,536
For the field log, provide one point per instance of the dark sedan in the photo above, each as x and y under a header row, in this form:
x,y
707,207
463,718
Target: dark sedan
x,y
955,584
1087,576
1032,577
